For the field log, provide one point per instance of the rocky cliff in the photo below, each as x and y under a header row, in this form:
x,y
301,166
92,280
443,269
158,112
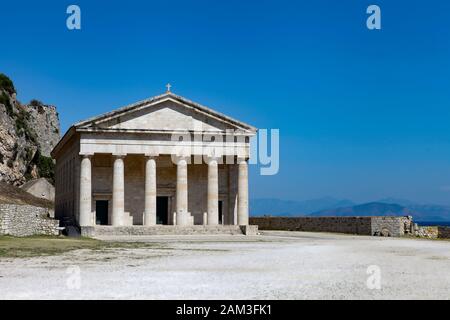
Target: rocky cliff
x,y
28,132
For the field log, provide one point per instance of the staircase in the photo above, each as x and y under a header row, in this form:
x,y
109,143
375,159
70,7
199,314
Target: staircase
x,y
168,230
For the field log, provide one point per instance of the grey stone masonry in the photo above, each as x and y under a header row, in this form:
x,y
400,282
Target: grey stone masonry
x,y
382,226
26,220
444,232
429,232
391,226
354,225
249,230
168,230
433,232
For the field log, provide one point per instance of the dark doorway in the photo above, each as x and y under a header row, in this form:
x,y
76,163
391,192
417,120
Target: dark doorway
x,y
162,208
101,212
220,212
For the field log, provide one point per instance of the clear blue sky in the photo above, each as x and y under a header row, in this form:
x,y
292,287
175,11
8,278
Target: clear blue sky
x,y
362,114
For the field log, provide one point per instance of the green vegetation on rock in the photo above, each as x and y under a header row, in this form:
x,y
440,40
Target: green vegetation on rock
x,y
6,84
30,127
45,166
22,126
4,99
35,103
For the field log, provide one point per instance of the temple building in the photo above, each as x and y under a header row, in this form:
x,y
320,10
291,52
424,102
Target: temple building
x,y
161,161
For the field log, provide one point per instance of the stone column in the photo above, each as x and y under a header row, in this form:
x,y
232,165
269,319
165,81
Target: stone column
x,y
182,193
118,194
86,217
233,193
213,192
150,192
242,192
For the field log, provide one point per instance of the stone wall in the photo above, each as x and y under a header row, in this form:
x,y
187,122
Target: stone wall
x,y
392,226
433,232
427,232
386,226
67,183
26,220
444,232
354,225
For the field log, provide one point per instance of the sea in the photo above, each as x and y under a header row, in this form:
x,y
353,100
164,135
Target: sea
x,y
433,223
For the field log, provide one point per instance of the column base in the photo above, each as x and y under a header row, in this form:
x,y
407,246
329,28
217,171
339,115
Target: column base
x,y
184,219
149,219
126,219
249,230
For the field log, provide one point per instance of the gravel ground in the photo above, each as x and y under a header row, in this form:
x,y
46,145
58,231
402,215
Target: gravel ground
x,y
275,265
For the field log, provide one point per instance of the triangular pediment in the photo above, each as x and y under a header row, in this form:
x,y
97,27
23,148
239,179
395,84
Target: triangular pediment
x,y
166,112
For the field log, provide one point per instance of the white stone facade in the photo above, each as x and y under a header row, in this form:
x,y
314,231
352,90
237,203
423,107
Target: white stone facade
x,y
164,160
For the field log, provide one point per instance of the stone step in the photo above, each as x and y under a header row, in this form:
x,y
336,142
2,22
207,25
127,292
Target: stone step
x,y
167,230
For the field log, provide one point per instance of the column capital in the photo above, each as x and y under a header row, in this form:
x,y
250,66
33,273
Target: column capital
x,y
86,155
178,159
241,160
119,155
151,155
212,159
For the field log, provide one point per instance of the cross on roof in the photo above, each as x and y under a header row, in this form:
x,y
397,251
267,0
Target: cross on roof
x,y
168,86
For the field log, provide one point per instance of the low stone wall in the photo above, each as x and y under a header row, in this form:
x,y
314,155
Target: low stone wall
x,y
444,232
355,225
26,220
433,232
385,226
427,232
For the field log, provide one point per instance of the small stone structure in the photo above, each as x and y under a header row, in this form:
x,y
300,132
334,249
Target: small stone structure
x,y
382,226
25,220
391,226
40,188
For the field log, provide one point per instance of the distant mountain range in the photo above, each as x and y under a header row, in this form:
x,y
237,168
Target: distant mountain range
x,y
329,206
366,209
277,207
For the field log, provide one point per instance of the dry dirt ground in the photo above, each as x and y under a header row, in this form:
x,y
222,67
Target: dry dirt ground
x,y
275,265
